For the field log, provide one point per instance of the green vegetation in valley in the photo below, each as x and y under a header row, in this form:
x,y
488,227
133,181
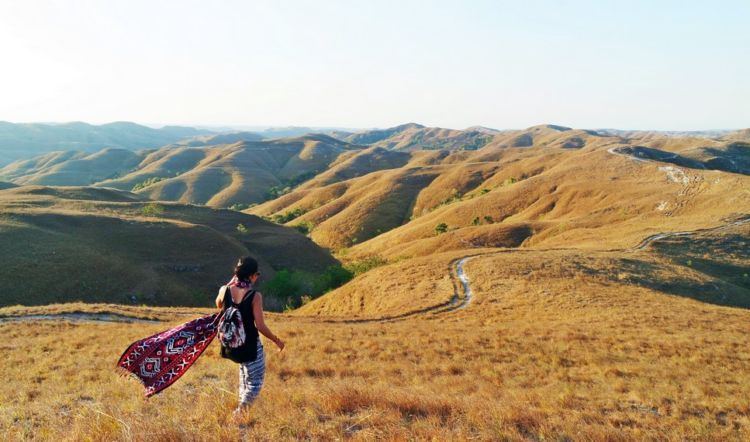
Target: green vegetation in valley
x,y
288,216
288,288
147,182
305,227
287,186
152,209
361,266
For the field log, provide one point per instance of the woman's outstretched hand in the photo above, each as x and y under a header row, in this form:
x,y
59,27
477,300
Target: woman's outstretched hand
x,y
279,343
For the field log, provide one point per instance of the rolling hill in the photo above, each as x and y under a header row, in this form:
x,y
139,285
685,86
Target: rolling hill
x,y
532,186
223,175
72,168
567,187
554,284
248,172
63,244
414,136
23,140
561,344
222,138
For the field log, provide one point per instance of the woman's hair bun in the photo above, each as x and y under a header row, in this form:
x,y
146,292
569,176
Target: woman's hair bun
x,y
245,268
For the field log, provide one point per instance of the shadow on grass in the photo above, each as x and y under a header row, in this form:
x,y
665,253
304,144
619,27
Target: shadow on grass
x,y
723,260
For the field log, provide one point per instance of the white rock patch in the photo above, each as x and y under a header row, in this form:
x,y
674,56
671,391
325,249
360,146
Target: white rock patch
x,y
675,174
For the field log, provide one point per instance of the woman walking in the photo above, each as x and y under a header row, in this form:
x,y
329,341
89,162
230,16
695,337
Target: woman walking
x,y
250,356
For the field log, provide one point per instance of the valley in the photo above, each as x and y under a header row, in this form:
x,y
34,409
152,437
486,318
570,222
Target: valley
x,y
546,283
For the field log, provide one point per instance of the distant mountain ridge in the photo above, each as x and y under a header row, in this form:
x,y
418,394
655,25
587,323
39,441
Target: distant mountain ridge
x,y
221,175
23,140
241,169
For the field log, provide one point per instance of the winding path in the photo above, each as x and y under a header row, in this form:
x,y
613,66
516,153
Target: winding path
x,y
460,299
84,317
462,293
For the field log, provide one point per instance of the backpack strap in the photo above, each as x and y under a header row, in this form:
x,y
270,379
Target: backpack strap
x,y
251,292
227,294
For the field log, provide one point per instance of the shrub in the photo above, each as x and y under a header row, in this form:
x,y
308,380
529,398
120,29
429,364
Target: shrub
x,y
241,206
147,183
441,228
288,216
152,209
364,265
286,186
242,229
331,278
293,288
476,221
488,219
304,227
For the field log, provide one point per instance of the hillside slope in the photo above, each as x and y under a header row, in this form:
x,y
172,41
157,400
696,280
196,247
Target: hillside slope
x,y
218,175
18,141
72,168
567,187
107,245
249,172
414,136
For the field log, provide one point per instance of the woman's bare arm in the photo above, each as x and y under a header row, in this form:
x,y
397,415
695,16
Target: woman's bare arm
x,y
219,300
260,322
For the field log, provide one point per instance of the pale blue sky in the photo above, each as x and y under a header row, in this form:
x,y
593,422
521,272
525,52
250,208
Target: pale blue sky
x,y
633,64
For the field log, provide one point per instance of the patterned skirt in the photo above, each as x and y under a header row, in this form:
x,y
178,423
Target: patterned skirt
x,y
252,374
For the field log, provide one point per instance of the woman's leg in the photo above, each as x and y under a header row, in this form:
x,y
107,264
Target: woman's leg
x,y
252,375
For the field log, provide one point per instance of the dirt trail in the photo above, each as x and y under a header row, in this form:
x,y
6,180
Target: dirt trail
x,y
462,293
86,317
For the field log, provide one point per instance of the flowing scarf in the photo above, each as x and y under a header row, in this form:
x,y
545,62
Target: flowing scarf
x,y
159,360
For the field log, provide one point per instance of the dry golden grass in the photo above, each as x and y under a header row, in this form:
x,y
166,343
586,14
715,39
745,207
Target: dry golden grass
x,y
549,194
556,345
244,172
572,337
585,198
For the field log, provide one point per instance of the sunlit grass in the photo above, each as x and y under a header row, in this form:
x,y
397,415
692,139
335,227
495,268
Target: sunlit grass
x,y
553,347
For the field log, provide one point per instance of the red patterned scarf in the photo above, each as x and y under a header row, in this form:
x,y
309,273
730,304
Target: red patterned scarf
x,y
159,360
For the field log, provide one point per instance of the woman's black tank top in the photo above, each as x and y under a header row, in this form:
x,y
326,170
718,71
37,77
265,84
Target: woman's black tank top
x,y
248,351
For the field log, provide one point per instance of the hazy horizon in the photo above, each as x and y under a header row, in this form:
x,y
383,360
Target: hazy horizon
x,y
250,127
669,66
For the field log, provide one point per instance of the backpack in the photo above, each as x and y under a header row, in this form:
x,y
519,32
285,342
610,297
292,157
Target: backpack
x,y
231,330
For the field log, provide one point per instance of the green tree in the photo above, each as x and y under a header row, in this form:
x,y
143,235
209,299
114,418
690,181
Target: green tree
x,y
152,209
476,221
441,228
147,183
304,227
366,264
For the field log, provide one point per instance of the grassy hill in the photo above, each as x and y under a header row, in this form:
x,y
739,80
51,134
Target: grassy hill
x,y
555,344
71,168
18,141
567,187
414,136
223,138
250,172
223,175
581,321
63,244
